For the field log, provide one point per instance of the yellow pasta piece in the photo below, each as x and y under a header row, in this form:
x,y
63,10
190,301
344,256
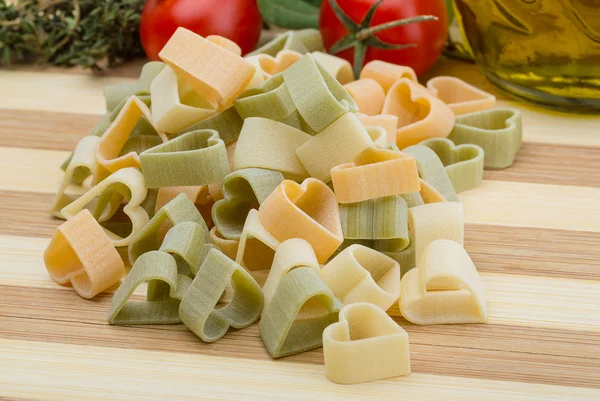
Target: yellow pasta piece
x,y
378,136
387,74
229,247
116,135
225,43
81,253
309,210
274,65
362,274
365,345
259,77
270,145
83,163
368,94
375,173
445,287
386,121
217,74
170,112
420,114
290,254
461,97
323,152
429,194
430,222
257,246
337,67
127,182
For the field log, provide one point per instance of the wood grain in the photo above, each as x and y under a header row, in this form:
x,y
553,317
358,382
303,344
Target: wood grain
x,y
186,376
486,351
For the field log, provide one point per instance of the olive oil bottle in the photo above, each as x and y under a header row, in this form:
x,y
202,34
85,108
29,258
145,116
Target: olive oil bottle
x,y
547,51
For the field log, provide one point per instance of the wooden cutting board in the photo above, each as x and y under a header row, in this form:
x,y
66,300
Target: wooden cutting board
x,y
533,231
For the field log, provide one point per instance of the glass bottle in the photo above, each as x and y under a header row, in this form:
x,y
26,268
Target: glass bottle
x,y
547,51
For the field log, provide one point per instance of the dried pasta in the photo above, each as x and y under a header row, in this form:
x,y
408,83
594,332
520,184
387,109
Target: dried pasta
x,y
365,345
375,173
310,211
387,74
198,307
219,79
80,253
368,95
362,274
461,97
445,287
282,333
431,169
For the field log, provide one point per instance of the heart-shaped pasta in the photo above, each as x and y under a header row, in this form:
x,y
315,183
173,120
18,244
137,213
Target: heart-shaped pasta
x,y
499,133
362,274
461,97
219,82
366,344
243,190
309,211
127,183
108,151
431,169
193,159
198,307
281,331
387,74
375,173
444,288
463,163
420,114
82,254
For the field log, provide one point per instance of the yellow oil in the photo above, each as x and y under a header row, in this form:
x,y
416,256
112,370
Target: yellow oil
x,y
547,51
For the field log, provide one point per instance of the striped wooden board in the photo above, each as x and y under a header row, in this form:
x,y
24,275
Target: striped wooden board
x,y
533,230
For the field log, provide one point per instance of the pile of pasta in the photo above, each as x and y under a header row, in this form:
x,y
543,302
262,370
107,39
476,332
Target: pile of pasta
x,y
277,188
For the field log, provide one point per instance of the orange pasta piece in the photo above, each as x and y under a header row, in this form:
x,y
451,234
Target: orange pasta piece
x,y
309,211
216,73
386,121
225,43
375,173
228,246
274,65
420,114
429,194
114,138
81,253
386,74
368,94
461,97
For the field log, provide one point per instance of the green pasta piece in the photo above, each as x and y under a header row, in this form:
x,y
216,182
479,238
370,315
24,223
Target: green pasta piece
x,y
302,41
242,190
463,163
272,101
151,266
186,243
140,143
319,97
115,94
378,219
412,199
432,170
282,333
193,159
149,204
198,308
227,123
498,132
105,122
178,210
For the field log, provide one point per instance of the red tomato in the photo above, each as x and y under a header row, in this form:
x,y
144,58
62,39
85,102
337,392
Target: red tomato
x,y
238,20
429,36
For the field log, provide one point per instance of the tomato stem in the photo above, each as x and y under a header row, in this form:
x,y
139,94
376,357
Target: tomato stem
x,y
365,33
